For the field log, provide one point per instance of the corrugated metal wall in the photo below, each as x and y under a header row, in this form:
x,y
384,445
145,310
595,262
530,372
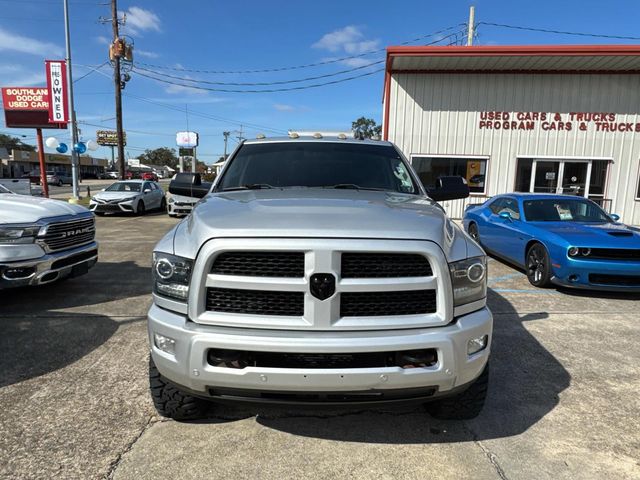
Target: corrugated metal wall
x,y
440,114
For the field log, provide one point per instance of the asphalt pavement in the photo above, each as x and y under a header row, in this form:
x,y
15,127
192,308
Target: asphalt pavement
x,y
563,401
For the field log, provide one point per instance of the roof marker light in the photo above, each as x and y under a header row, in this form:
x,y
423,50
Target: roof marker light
x,y
342,136
293,135
317,135
260,136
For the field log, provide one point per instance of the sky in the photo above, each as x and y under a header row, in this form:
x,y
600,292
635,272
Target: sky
x,y
191,38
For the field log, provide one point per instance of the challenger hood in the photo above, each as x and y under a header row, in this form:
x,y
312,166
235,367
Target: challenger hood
x,y
28,209
317,213
603,235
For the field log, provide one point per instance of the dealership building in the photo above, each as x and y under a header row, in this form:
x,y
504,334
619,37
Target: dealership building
x,y
559,119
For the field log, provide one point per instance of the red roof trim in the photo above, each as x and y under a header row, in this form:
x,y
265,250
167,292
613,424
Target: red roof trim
x,y
515,50
531,72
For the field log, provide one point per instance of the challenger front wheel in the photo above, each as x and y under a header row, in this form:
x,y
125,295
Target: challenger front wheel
x,y
538,266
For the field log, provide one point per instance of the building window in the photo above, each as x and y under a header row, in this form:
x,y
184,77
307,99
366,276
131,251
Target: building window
x,y
473,169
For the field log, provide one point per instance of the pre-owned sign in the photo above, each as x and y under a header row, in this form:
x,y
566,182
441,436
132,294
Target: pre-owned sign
x,y
57,85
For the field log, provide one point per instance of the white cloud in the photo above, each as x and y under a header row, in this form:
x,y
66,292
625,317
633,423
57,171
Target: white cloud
x,y
176,89
356,62
146,54
102,40
349,39
15,75
141,20
281,107
17,43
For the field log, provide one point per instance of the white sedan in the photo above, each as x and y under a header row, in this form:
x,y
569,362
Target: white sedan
x,y
129,196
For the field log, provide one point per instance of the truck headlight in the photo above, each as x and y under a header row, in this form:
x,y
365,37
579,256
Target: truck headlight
x,y
17,234
469,280
171,275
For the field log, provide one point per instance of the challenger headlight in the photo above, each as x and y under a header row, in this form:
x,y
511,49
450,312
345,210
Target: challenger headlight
x,y
171,276
469,280
18,235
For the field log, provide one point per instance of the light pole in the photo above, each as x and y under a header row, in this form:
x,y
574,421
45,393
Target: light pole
x,y
72,127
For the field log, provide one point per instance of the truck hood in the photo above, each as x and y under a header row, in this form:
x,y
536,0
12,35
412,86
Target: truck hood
x,y
318,213
27,209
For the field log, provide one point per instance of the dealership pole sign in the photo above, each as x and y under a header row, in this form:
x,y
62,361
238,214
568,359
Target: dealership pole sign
x,y
109,138
57,86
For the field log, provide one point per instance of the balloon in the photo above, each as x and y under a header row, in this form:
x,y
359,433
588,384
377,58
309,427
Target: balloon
x,y
62,148
91,145
80,147
52,142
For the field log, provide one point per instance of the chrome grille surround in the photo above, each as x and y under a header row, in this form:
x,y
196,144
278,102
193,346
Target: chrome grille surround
x,y
62,233
321,256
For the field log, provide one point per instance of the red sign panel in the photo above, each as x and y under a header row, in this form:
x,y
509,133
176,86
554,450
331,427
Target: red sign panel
x,y
57,85
24,98
27,107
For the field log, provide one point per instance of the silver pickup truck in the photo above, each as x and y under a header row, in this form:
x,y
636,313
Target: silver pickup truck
x,y
43,240
319,270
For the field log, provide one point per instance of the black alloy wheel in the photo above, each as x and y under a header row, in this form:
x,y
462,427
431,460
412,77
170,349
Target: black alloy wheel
x,y
473,232
538,266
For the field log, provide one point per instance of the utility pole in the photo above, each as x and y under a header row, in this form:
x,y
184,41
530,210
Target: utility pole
x,y
72,111
226,139
472,19
117,81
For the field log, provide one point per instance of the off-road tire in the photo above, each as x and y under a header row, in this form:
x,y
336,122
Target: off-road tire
x,y
172,403
464,406
538,253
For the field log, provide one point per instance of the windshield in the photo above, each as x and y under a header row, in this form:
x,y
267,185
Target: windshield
x,y
124,187
316,164
561,210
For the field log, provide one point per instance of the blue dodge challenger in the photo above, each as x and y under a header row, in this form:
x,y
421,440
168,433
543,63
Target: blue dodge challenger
x,y
558,239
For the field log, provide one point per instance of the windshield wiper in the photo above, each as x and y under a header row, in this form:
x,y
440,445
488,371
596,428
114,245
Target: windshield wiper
x,y
352,186
249,186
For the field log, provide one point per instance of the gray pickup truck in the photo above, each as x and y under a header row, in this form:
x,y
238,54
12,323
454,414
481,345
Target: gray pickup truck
x,y
43,240
319,270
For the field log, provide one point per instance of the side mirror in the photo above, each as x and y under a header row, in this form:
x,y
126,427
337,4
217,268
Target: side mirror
x,y
188,190
449,188
147,190
615,217
505,215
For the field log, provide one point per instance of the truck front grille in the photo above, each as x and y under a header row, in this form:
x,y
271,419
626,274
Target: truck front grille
x,y
69,234
260,264
255,302
384,265
376,304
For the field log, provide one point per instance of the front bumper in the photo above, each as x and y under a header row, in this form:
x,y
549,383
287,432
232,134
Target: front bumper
x,y
50,267
179,208
124,206
606,275
189,368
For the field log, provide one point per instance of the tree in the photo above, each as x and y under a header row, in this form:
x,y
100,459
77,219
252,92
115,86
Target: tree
x,y
160,156
366,127
14,143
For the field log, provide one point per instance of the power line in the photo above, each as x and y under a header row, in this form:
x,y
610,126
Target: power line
x,y
256,84
559,32
308,65
272,90
92,70
255,126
